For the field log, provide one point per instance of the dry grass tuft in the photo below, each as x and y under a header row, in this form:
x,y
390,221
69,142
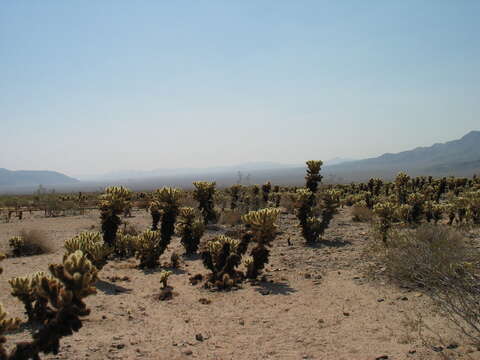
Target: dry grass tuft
x,y
33,242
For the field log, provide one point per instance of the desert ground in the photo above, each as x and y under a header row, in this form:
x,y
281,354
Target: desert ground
x,y
321,302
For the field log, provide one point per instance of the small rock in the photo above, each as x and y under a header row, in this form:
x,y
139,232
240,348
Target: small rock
x,y
452,346
437,348
346,313
383,357
204,301
188,352
241,322
264,292
199,337
380,300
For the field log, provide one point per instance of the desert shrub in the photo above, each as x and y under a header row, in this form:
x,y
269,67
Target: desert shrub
x,y
112,204
203,193
401,187
220,256
71,282
263,231
416,256
361,213
190,229
288,202
30,242
92,246
230,217
457,295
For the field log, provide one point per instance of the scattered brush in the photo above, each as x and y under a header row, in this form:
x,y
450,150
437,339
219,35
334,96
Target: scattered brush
x,y
30,242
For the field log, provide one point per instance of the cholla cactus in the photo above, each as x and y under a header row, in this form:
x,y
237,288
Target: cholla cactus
x,y
385,213
125,245
416,201
6,325
329,205
148,248
263,230
112,204
92,245
203,193
73,282
313,174
169,200
164,275
156,213
26,289
310,224
190,229
17,244
266,188
235,191
473,208
401,187
220,256
403,212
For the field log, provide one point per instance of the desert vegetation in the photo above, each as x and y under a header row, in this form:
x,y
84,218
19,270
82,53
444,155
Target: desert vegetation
x,y
421,234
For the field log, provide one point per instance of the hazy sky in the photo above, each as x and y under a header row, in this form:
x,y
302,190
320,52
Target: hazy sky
x,y
93,86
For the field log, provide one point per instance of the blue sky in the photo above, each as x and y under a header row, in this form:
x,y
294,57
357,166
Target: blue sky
x,y
94,86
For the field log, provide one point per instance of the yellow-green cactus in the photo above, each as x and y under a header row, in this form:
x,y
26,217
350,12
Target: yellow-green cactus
x,y
190,229
221,258
147,248
203,193
113,203
92,245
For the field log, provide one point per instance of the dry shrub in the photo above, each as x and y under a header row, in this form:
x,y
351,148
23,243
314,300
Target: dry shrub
x,y
437,259
129,229
34,242
230,217
458,298
417,256
361,213
288,202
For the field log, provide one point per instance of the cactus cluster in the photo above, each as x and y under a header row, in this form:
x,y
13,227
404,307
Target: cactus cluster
x,y
261,225
27,290
220,256
92,246
63,293
112,203
190,230
203,193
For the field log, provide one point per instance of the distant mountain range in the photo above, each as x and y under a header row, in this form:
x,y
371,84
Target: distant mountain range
x,y
33,178
459,158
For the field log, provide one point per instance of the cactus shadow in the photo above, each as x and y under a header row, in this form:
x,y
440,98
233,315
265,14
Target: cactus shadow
x,y
110,289
275,288
335,243
158,269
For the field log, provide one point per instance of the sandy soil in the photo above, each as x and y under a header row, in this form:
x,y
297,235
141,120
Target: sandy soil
x,y
317,303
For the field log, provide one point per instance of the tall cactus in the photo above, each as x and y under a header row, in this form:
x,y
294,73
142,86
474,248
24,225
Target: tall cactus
x,y
203,193
263,230
190,229
112,204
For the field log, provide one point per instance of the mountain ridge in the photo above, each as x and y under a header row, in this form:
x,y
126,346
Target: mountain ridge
x,y
33,178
